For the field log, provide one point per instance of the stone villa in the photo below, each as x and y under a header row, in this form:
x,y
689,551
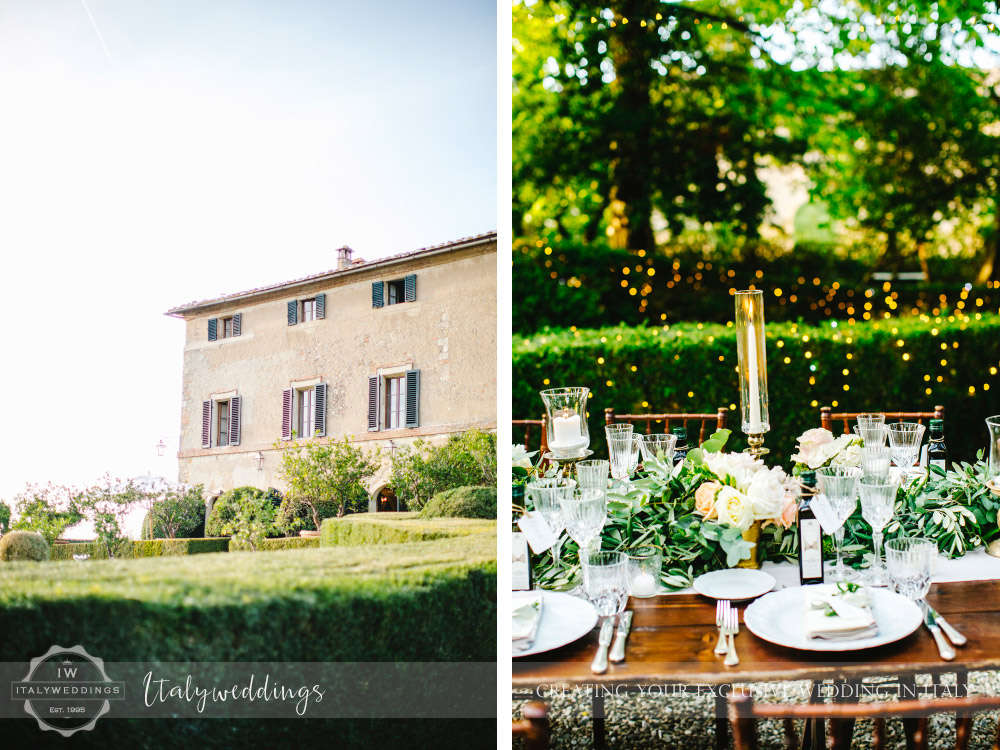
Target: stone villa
x,y
385,351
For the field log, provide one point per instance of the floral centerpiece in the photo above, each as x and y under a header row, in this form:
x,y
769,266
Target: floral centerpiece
x,y
521,465
818,447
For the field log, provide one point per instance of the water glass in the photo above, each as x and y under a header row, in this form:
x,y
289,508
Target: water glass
x,y
878,501
871,428
876,461
644,565
624,454
583,513
546,497
657,444
592,475
909,560
904,441
840,485
605,576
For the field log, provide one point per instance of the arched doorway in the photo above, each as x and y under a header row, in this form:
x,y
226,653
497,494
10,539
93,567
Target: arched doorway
x,y
387,502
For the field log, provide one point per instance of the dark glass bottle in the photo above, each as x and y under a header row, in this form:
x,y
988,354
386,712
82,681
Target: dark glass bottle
x,y
521,578
681,447
937,454
810,533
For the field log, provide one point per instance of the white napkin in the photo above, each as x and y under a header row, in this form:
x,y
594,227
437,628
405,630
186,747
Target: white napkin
x,y
834,612
525,618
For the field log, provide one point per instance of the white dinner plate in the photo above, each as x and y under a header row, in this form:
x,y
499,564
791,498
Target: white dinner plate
x,y
736,584
565,618
779,618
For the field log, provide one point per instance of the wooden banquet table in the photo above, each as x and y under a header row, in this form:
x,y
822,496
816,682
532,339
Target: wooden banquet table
x,y
673,637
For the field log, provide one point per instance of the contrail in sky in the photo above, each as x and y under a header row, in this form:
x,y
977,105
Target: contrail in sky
x,y
99,37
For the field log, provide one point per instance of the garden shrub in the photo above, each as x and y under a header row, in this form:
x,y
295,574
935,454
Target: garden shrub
x,y
463,502
227,506
691,368
422,470
144,548
396,528
265,545
23,545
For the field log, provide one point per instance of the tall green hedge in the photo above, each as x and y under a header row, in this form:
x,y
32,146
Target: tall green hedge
x,y
890,365
268,545
144,548
397,528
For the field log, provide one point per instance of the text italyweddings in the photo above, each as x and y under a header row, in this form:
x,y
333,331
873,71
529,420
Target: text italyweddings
x,y
160,691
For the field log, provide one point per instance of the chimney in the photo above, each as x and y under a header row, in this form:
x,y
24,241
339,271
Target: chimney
x,y
344,257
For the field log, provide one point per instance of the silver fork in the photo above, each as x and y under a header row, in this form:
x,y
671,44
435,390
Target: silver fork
x,y
732,628
721,608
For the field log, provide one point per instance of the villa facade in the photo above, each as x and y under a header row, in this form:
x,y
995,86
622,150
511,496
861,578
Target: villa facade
x,y
384,352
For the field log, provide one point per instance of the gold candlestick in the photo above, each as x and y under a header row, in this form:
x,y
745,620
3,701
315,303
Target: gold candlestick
x,y
756,448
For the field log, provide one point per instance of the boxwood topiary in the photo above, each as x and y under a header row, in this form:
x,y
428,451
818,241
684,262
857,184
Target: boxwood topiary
x,y
463,502
23,545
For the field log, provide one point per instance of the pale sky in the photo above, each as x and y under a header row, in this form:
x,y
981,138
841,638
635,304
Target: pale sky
x,y
214,147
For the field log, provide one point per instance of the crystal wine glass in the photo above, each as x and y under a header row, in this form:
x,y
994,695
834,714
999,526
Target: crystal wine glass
x,y
904,441
876,461
546,494
871,428
840,485
658,444
878,500
584,513
606,581
592,475
909,562
623,450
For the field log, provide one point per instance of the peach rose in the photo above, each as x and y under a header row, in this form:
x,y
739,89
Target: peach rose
x,y
790,511
704,499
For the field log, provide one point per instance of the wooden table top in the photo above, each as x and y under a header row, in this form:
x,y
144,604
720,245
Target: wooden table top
x,y
673,637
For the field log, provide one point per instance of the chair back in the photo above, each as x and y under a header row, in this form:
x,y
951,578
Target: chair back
x,y
827,417
717,421
744,713
534,727
528,424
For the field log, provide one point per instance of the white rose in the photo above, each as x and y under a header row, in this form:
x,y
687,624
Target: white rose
x,y
520,458
767,494
849,456
739,466
822,455
811,440
733,508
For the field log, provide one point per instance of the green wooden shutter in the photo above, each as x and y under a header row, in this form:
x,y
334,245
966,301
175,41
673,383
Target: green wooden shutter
x,y
412,398
378,293
293,312
213,329
320,306
206,424
237,324
373,403
319,421
410,288
286,414
235,410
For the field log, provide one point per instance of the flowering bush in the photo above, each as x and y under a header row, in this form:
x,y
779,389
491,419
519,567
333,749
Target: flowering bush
x,y
818,447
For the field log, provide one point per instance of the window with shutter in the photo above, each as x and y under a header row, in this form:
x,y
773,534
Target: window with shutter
x,y
377,294
410,288
286,414
373,403
320,306
237,323
235,409
319,422
213,329
412,398
206,424
293,312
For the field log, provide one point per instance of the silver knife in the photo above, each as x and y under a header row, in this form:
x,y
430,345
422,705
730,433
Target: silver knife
x,y
953,635
618,650
944,648
600,663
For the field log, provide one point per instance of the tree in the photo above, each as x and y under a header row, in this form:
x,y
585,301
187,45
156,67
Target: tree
x,y
173,507
422,470
48,509
255,519
319,473
107,503
4,518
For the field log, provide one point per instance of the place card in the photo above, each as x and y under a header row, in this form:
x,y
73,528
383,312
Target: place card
x,y
825,514
537,532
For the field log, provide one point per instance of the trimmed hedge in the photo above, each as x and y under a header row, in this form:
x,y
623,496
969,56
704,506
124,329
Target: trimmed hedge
x,y
267,545
463,502
691,367
23,545
145,548
396,528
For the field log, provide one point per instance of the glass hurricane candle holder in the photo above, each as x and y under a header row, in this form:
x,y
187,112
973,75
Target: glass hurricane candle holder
x,y
752,365
644,571
567,432
993,467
